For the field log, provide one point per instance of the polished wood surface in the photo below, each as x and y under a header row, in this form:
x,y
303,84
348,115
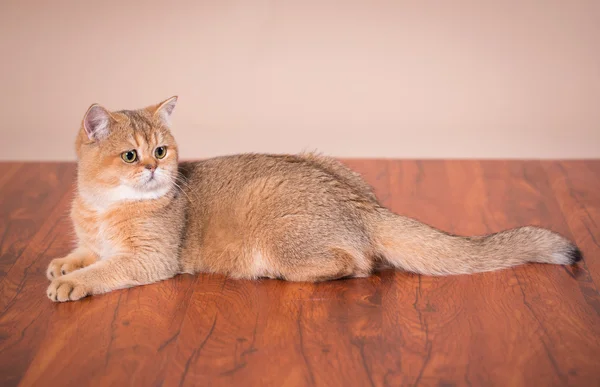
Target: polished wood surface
x,y
534,325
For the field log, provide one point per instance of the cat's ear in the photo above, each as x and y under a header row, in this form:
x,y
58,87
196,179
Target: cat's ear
x,y
164,109
96,122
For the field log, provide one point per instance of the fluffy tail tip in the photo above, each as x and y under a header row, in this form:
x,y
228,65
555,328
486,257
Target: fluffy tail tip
x,y
574,255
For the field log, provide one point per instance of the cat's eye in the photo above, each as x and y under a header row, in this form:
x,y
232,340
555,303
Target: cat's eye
x,y
129,156
160,152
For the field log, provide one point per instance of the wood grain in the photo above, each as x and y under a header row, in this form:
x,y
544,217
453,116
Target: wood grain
x,y
561,342
34,205
531,325
575,186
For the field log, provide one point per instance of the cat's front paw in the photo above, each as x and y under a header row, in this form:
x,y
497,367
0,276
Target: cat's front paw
x,y
66,289
61,266
54,267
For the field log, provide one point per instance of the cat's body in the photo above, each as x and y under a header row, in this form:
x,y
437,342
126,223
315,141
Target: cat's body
x,y
298,218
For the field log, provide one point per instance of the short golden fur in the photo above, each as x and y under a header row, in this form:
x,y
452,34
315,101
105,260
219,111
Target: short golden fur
x,y
293,217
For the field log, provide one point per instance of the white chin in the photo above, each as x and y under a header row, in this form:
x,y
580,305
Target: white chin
x,y
151,185
153,189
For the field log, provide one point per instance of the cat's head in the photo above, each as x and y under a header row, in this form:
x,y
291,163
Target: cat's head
x,y
127,154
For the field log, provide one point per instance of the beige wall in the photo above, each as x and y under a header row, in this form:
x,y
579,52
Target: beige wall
x,y
350,78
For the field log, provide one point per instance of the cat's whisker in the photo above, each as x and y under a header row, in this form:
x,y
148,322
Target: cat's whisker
x,y
179,179
181,189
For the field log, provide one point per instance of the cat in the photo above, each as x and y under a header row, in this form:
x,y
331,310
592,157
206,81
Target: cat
x,y
140,216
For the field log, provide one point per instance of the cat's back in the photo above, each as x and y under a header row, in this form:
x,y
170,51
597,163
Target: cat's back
x,y
308,173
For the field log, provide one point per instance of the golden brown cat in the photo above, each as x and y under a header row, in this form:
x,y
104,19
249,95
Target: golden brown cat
x,y
141,217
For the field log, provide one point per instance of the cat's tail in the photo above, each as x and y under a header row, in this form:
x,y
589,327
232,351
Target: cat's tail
x,y
413,246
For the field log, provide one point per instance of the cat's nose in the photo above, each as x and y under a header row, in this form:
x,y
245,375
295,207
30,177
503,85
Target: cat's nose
x,y
150,167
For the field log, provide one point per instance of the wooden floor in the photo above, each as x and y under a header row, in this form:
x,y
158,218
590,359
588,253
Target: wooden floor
x,y
535,325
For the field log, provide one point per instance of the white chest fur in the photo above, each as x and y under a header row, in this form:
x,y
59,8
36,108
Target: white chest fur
x,y
103,201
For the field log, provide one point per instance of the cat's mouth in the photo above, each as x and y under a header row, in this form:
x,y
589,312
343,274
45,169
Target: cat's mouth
x,y
149,182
